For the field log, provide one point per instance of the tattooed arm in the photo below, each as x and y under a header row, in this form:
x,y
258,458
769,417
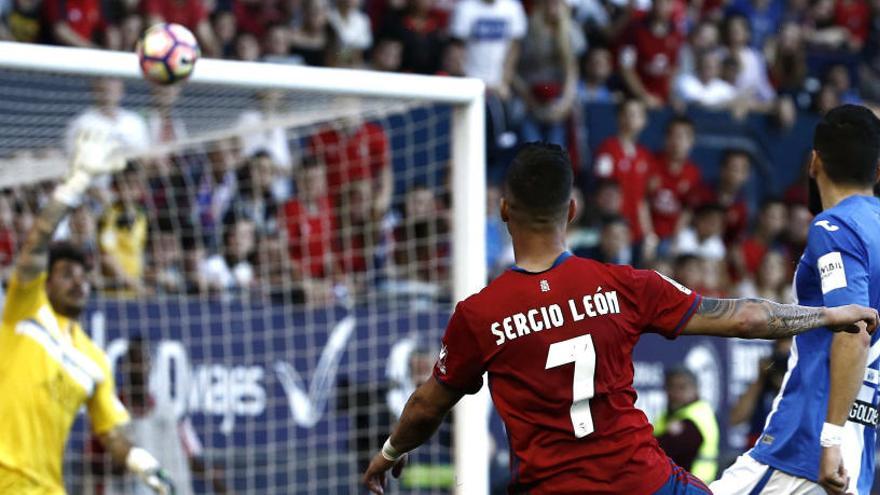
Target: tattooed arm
x,y
762,319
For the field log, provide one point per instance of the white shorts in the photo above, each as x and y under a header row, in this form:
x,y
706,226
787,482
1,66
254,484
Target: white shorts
x,y
749,477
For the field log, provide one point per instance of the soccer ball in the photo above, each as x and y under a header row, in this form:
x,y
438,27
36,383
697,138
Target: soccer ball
x,y
167,53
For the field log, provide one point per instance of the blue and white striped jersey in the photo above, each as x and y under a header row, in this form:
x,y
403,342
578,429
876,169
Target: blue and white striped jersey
x,y
840,265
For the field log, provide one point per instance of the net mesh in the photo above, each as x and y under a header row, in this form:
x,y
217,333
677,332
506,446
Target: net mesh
x,y
272,273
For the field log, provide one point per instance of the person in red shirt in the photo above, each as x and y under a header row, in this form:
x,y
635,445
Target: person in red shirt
x,y
309,222
676,178
736,168
768,234
555,334
189,13
648,54
621,158
855,17
352,152
77,23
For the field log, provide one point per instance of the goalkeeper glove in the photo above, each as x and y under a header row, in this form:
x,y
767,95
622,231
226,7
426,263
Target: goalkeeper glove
x,y
95,153
146,467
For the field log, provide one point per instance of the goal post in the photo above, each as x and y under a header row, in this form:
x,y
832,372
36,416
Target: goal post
x,y
467,184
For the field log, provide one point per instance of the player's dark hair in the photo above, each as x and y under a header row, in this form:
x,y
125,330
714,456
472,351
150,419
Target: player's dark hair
x,y
538,185
66,250
680,120
847,140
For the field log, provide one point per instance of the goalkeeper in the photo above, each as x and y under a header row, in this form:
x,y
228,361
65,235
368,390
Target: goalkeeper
x,y
49,367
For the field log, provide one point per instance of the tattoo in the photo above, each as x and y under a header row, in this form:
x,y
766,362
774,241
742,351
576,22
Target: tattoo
x,y
779,320
34,255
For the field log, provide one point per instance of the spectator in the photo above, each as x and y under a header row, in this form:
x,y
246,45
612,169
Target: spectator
x,y
123,235
597,70
585,230
274,272
257,137
772,280
756,402
310,40
20,21
256,17
247,48
767,236
276,45
106,115
420,31
217,186
688,270
676,180
788,61
254,199
386,55
421,251
194,263
706,88
163,123
189,13
752,82
729,193
452,62
838,79
704,238
225,28
491,31
855,17
353,32
131,26
363,235
157,426
546,75
309,223
826,100
165,273
77,23
648,56
352,151
233,269
764,16
615,245
688,430
704,38
621,158
797,227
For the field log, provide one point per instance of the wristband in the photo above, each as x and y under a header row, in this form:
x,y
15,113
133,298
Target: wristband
x,y
831,436
140,461
390,453
71,190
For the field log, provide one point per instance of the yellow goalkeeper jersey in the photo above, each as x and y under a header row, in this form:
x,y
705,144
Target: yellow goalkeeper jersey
x,y
49,368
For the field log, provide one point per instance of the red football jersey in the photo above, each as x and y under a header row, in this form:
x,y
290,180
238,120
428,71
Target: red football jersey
x,y
558,349
674,193
631,169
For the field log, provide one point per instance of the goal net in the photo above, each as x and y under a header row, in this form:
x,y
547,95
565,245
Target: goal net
x,y
273,269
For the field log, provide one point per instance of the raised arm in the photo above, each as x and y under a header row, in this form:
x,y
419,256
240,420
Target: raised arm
x,y
762,319
93,154
422,415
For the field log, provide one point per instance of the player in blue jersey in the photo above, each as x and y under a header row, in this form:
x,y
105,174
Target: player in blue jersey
x,y
820,434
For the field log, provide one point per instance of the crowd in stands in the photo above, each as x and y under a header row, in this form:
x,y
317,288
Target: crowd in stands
x,y
246,214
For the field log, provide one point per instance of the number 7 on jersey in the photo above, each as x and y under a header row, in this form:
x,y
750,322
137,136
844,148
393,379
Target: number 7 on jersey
x,y
582,353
